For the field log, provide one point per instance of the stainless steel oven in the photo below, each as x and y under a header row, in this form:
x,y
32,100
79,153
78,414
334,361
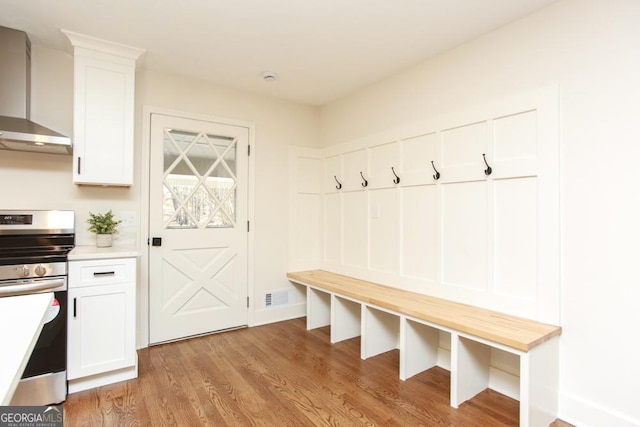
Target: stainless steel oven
x,y
33,258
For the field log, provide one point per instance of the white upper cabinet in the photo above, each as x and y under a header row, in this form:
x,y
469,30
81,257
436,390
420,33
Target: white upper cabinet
x,y
103,118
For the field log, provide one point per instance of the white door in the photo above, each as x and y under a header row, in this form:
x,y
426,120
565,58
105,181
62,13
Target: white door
x,y
198,227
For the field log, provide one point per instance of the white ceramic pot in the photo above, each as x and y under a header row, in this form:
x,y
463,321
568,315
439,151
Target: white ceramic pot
x,y
104,240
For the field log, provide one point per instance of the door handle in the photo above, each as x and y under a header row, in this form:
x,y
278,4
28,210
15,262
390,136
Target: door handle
x,y
156,241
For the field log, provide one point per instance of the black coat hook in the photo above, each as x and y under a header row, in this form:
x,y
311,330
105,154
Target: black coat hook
x,y
339,186
396,180
365,182
488,170
437,174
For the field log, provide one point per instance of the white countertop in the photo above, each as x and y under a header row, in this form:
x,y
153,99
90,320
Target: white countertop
x,y
21,320
93,252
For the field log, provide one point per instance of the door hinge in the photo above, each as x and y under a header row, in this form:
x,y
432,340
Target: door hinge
x,y
248,150
247,302
147,241
248,226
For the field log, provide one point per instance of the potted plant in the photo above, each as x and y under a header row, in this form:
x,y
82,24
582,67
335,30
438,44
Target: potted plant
x,y
104,225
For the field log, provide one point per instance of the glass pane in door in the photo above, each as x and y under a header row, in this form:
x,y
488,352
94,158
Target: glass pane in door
x,y
199,180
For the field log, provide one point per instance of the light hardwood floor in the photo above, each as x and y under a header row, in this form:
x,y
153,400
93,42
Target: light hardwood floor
x,y
279,375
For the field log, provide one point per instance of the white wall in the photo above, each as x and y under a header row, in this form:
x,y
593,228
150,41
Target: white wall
x,y
44,181
591,49
278,126
452,238
41,181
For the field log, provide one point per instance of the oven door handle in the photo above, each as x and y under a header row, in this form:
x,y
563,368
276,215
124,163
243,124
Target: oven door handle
x,y
30,288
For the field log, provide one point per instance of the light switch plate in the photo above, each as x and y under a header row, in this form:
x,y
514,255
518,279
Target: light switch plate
x,y
375,210
129,218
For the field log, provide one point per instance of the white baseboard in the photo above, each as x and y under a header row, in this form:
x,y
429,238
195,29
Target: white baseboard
x,y
279,314
583,413
98,380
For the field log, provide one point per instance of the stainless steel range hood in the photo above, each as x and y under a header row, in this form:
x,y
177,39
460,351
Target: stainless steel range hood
x,y
25,135
17,132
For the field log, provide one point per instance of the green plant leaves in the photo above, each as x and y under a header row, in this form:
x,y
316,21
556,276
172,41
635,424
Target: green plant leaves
x,y
103,223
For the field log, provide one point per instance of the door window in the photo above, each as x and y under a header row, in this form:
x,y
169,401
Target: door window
x,y
199,184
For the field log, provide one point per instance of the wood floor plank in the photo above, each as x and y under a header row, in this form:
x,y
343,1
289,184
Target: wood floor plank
x,y
280,375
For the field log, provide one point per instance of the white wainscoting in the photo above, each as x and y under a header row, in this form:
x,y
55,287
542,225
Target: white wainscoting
x,y
491,240
486,239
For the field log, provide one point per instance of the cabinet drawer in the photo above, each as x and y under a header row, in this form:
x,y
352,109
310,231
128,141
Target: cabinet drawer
x,y
101,272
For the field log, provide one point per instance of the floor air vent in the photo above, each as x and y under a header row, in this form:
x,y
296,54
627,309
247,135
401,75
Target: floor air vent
x,y
275,298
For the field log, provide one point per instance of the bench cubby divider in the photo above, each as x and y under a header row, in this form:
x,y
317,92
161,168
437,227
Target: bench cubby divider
x,y
418,348
380,332
539,376
345,319
318,308
470,363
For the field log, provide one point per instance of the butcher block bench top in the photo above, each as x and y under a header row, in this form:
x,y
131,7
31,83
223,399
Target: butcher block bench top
x,y
515,332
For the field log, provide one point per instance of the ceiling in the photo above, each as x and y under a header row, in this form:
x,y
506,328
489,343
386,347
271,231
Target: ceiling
x,y
320,50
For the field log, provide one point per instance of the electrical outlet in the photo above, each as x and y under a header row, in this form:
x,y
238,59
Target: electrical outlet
x,y
129,218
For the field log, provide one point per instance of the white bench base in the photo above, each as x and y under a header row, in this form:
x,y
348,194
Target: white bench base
x,y
382,329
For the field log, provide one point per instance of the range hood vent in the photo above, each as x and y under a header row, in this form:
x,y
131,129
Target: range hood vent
x,y
17,132
25,135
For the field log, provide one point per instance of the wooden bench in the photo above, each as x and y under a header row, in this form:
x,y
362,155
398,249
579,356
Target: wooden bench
x,y
388,318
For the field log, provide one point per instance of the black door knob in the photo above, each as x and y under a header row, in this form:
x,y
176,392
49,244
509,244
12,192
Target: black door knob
x,y
156,241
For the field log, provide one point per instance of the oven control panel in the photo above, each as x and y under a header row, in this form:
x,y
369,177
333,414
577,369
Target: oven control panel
x,y
42,222
16,219
25,271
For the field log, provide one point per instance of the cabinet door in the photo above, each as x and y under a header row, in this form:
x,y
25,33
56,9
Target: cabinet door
x,y
101,329
103,119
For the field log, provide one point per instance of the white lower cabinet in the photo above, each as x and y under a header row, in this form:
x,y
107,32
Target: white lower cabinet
x,y
102,322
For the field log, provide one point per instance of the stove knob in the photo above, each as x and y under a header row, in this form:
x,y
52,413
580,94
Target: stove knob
x,y
40,270
22,271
